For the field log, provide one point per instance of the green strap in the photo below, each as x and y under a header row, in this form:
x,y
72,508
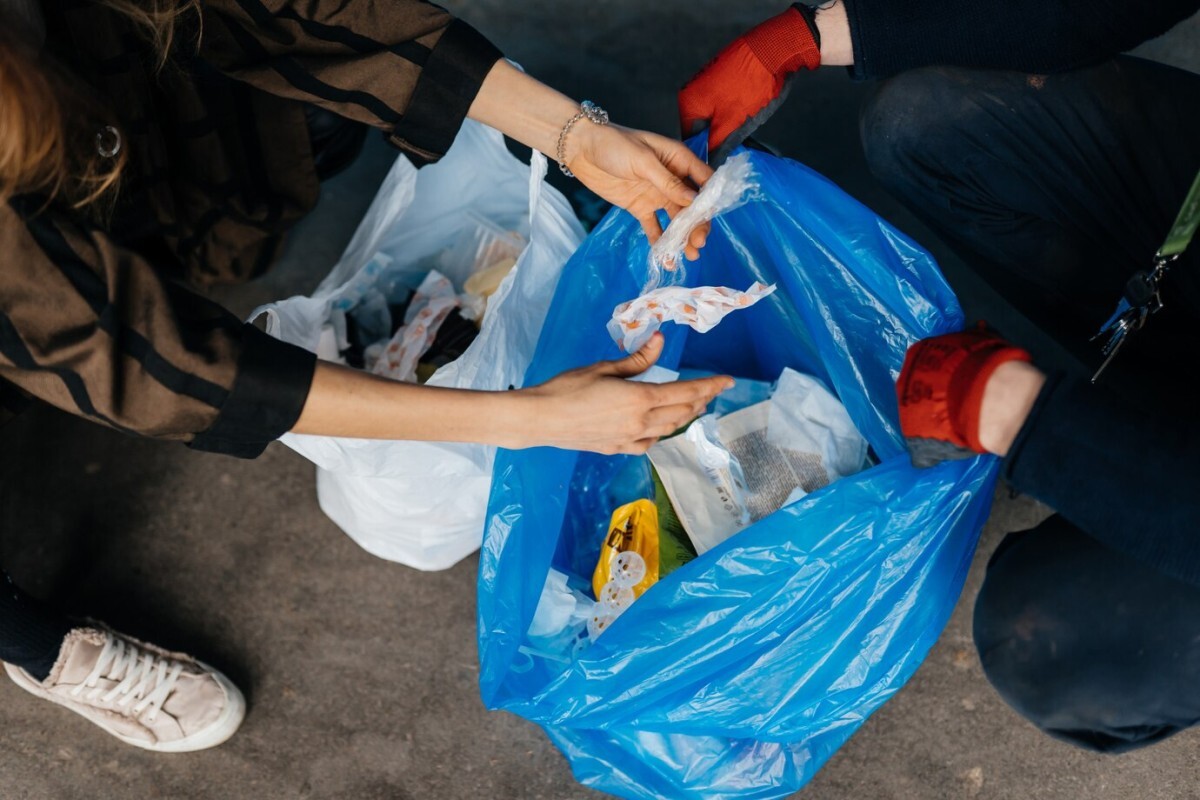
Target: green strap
x,y
1185,224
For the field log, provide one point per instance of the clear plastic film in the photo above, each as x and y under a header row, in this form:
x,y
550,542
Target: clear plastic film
x,y
731,186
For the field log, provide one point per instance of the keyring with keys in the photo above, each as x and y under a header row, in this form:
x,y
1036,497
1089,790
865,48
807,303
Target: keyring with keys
x,y
1143,292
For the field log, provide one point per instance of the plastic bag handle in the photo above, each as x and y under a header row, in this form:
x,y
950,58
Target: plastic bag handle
x,y
538,167
270,325
558,224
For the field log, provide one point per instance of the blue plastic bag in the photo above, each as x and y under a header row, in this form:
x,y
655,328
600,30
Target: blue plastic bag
x,y
739,674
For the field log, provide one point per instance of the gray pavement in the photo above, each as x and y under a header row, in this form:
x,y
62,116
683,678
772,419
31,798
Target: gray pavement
x,y
361,673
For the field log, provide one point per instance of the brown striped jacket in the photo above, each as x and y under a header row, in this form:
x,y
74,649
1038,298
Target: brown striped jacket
x,y
98,320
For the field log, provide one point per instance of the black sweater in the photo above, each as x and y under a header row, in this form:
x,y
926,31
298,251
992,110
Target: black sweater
x,y
1026,35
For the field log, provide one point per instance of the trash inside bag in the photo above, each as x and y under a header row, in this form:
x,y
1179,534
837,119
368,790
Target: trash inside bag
x,y
628,563
728,470
740,671
562,614
799,440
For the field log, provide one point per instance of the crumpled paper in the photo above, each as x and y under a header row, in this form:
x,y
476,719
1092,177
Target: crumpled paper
x,y
701,308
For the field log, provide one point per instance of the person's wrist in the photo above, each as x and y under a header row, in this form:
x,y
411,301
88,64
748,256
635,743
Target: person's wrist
x,y
522,108
833,26
809,13
1008,398
520,419
546,128
583,139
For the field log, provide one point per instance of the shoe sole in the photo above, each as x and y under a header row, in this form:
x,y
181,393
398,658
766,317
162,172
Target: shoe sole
x,y
217,733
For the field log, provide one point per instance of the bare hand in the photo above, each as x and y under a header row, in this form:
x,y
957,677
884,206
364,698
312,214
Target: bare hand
x,y
640,172
594,408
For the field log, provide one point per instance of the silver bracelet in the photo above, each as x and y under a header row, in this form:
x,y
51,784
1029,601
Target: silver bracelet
x,y
593,113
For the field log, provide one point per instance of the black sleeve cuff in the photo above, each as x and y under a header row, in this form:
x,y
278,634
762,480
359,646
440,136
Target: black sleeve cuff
x,y
270,389
448,84
1011,465
863,66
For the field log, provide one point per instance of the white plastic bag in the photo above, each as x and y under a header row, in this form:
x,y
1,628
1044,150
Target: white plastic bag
x,y
423,503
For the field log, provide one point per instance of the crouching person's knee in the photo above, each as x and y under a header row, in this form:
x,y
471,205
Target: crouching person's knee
x,y
914,122
897,119
1018,657
1052,643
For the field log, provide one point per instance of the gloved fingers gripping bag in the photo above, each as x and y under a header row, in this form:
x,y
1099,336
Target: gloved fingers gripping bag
x,y
741,672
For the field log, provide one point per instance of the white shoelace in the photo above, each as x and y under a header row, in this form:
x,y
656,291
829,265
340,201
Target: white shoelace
x,y
143,677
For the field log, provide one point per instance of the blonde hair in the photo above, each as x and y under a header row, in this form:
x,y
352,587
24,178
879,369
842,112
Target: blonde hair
x,y
49,124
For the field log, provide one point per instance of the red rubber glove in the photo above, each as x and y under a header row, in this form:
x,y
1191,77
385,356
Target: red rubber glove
x,y
744,84
940,390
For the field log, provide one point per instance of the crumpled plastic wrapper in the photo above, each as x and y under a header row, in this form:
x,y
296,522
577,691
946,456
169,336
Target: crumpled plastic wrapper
x,y
434,300
701,308
730,186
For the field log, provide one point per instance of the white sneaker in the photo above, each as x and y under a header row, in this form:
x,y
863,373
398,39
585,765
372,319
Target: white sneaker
x,y
141,694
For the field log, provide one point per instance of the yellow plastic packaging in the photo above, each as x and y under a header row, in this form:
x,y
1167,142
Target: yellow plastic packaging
x,y
634,527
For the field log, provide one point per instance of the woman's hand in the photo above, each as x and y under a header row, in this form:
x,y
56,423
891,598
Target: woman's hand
x,y
640,172
595,408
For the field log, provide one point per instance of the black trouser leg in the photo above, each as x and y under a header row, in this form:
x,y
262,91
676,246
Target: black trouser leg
x,y
1127,473
1090,646
1054,188
31,633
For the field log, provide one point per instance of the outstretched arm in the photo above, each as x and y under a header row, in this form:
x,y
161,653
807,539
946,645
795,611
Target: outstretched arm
x,y
412,70
593,408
